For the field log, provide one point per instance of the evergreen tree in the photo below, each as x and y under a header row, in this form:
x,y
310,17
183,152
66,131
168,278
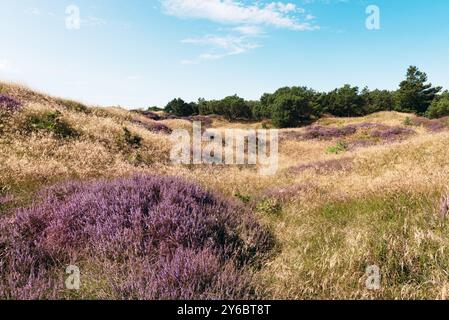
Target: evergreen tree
x,y
415,94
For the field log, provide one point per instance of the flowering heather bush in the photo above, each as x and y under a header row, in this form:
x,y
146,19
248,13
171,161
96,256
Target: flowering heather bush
x,y
367,125
149,237
391,133
320,132
206,121
444,206
360,143
9,104
290,135
154,126
160,128
433,125
150,115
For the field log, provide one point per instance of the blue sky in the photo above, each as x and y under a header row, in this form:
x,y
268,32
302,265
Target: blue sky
x,y
138,53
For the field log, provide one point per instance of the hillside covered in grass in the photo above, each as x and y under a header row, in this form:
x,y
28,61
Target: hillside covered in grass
x,y
95,187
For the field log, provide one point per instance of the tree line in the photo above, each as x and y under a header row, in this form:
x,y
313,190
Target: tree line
x,y
292,106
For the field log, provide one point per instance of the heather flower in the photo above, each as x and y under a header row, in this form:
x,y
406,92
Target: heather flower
x,y
154,126
444,206
433,125
391,133
361,143
290,135
206,121
150,115
320,132
160,128
9,104
160,237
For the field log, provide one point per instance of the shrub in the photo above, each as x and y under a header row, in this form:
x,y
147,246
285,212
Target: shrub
x,y
269,206
433,125
50,122
439,107
148,114
9,104
133,140
390,133
157,237
206,121
408,121
160,128
73,105
242,197
340,147
153,126
444,206
319,132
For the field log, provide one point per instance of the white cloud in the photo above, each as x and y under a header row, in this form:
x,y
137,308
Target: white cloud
x,y
222,46
310,17
249,30
248,21
282,7
231,44
276,14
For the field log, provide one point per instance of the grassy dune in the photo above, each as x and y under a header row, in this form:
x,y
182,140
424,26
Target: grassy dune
x,y
342,199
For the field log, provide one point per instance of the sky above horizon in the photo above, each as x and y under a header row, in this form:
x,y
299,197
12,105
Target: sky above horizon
x,y
140,53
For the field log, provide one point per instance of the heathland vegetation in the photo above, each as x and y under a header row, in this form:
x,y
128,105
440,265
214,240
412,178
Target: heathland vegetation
x,y
362,181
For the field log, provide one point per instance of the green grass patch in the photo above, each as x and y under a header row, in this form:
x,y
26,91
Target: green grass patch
x,y
50,122
340,147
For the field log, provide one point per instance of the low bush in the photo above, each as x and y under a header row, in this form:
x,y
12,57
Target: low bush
x,y
433,125
9,104
148,114
340,147
269,206
132,140
320,132
408,121
148,237
242,197
153,126
73,105
50,122
391,133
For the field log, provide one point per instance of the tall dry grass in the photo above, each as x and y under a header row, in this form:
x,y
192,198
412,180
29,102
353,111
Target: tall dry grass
x,y
380,209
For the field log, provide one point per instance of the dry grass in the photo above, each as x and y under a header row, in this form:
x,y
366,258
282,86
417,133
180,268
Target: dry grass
x,y
381,210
